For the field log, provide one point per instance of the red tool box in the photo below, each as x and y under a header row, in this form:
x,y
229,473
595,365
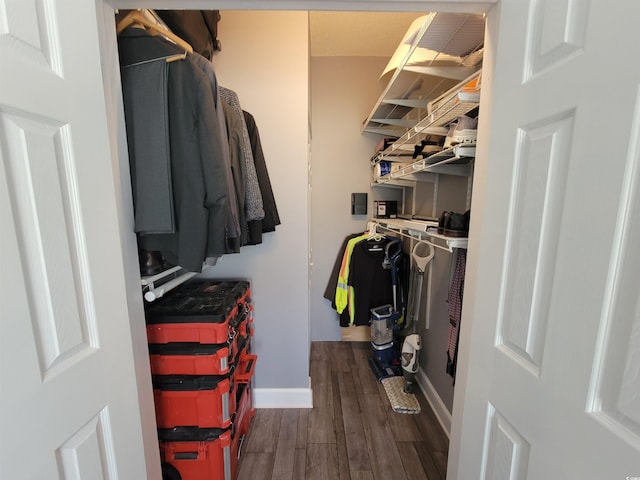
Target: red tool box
x,y
202,366
197,454
206,401
189,358
192,400
192,358
202,312
207,453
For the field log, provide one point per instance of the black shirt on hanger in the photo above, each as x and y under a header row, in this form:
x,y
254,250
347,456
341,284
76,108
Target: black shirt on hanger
x,y
370,280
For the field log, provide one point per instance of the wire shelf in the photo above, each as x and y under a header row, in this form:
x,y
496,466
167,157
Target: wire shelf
x,y
423,231
443,50
442,111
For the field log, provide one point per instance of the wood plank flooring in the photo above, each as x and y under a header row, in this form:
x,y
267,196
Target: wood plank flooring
x,y
351,433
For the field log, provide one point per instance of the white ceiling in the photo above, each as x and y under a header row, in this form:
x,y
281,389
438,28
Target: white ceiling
x,y
350,34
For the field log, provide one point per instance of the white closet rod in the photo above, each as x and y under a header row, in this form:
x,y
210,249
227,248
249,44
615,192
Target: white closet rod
x,y
153,293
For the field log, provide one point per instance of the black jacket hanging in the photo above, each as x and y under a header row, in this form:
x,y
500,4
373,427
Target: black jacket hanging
x,y
198,27
271,217
198,177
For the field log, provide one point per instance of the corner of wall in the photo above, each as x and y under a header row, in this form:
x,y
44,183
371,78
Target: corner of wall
x,y
437,405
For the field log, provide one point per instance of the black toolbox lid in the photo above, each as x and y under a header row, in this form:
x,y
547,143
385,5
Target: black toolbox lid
x,y
189,434
185,348
183,383
197,301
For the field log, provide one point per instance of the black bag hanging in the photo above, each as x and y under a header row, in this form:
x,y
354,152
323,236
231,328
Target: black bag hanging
x,y
198,27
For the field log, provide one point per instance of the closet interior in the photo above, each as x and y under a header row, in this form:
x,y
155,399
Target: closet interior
x,y
204,195
425,126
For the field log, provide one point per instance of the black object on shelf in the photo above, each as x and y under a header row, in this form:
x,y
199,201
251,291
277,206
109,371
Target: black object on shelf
x,y
358,204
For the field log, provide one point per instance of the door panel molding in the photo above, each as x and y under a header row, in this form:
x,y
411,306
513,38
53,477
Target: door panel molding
x,y
88,453
507,455
556,33
539,179
615,388
35,41
42,181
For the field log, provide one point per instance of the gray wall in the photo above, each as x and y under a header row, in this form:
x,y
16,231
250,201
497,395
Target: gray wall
x,y
343,90
433,357
265,60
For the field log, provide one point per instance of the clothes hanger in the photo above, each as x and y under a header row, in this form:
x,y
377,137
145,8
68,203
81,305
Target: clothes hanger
x,y
373,233
137,17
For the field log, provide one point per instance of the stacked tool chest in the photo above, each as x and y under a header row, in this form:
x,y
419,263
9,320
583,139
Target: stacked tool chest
x,y
201,364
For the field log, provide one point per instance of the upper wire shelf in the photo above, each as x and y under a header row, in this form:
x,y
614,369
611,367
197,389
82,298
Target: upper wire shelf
x,y
458,101
438,51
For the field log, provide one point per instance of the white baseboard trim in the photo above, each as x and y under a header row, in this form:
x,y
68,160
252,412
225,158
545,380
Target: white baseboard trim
x,y
282,398
438,406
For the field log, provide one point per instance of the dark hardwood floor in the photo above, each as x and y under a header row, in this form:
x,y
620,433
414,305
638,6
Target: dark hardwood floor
x,y
351,433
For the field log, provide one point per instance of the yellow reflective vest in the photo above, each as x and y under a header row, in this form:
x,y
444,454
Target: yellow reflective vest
x,y
344,293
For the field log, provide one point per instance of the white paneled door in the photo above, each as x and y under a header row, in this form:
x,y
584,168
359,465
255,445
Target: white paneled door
x,y
68,401
549,386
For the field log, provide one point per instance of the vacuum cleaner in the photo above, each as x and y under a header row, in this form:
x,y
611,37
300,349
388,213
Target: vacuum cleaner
x,y
411,344
386,320
392,325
